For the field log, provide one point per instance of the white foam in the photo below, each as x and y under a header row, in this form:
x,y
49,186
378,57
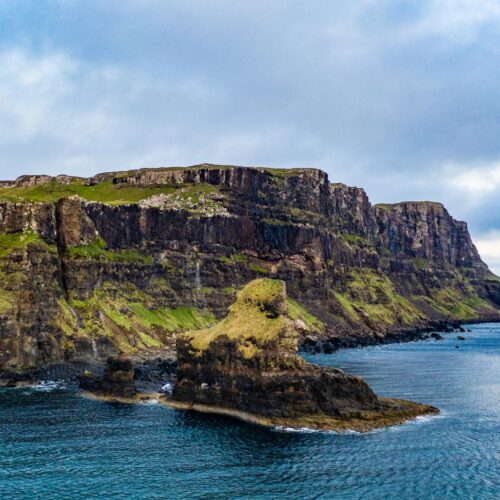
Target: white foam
x,y
153,401
48,386
422,419
308,430
167,388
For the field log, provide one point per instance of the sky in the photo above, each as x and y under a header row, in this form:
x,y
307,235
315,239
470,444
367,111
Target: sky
x,y
399,97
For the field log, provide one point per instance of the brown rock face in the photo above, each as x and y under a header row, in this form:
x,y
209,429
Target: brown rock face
x,y
256,369
117,381
123,261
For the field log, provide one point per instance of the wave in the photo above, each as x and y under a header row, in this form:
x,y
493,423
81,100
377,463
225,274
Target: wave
x,y
48,386
422,419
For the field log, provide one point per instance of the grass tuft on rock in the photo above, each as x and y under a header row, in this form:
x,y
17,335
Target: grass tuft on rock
x,y
260,314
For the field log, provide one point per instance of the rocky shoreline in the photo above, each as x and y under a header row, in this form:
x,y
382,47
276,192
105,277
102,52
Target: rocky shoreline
x,y
328,345
154,372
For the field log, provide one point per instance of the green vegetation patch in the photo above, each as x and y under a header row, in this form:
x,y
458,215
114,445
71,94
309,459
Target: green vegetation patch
x,y
233,259
374,296
258,269
296,311
11,241
129,317
104,192
173,320
97,250
420,263
248,321
462,304
6,301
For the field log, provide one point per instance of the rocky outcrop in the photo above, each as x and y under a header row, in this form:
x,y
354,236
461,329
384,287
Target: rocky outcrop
x,y
117,380
124,261
248,363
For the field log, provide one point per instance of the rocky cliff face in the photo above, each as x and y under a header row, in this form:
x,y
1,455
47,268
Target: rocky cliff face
x,y
248,362
124,261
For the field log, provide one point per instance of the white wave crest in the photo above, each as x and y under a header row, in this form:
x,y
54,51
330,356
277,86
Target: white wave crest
x,y
48,386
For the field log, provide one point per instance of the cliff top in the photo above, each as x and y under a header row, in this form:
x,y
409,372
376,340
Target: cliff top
x,y
39,179
132,186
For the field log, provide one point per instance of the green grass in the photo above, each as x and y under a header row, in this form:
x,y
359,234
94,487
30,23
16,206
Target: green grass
x,y
420,263
104,192
258,269
172,320
375,295
97,250
148,340
7,300
11,241
248,320
460,304
128,316
296,311
233,259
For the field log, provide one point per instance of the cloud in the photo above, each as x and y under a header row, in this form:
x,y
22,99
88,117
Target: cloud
x,y
478,180
399,97
489,249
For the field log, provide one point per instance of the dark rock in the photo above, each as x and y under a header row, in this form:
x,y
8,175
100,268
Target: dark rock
x,y
459,337
117,380
437,336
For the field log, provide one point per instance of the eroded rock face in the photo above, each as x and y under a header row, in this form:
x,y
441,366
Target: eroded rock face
x,y
117,380
123,261
248,362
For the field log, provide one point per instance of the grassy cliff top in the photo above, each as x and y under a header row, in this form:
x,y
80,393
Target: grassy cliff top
x,y
103,192
119,188
260,315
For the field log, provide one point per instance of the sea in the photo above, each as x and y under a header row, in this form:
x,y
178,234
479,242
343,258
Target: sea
x,y
56,444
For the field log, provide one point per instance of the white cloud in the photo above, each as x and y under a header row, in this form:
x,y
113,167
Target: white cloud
x,y
489,249
477,180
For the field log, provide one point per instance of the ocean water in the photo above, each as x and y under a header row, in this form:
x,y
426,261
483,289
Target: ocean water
x,y
55,444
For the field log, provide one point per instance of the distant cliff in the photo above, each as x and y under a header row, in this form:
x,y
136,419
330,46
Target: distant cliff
x,y
123,261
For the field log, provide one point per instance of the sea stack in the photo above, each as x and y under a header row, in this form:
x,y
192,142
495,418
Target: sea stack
x,y
248,366
116,382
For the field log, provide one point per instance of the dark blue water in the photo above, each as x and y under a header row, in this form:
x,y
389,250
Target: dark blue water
x,y
54,444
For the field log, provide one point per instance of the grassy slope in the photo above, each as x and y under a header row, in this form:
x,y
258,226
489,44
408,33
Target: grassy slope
x,y
128,316
372,298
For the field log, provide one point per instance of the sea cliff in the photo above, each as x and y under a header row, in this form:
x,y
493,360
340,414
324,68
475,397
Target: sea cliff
x,y
123,262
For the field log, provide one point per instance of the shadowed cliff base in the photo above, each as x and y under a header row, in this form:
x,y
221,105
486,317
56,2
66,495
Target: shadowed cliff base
x,y
247,366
